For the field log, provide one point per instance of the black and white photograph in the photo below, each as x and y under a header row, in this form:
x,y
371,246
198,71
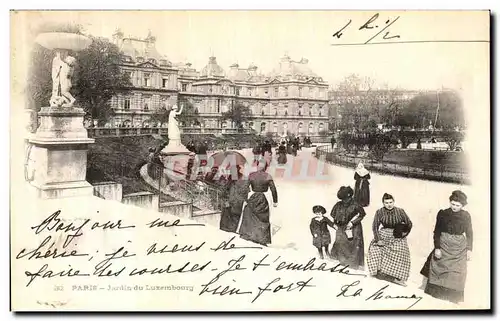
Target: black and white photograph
x,y
250,160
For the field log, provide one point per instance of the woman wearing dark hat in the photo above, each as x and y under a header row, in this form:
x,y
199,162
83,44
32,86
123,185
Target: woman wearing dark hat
x,y
388,254
319,230
446,266
348,248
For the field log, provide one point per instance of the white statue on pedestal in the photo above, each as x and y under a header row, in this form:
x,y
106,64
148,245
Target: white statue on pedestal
x,y
62,71
174,132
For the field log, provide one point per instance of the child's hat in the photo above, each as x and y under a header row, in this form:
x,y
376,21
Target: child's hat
x,y
319,209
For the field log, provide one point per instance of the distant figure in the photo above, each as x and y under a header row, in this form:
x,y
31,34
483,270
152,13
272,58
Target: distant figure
x,y
319,230
333,141
190,146
388,255
362,186
282,153
348,247
294,147
419,144
267,147
257,154
446,267
255,224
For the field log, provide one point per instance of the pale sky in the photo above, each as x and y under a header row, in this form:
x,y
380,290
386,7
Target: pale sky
x,y
262,37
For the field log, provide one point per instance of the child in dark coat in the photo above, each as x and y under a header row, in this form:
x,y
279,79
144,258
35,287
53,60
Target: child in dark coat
x,y
319,230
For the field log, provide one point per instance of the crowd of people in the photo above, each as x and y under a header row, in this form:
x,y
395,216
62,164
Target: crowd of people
x,y
247,213
388,255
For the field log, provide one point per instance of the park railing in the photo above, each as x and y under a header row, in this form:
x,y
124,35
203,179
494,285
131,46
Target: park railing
x,y
435,172
202,195
94,132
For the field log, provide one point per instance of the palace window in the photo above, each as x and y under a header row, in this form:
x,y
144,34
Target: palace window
x,y
164,82
126,104
147,80
286,91
300,91
147,103
262,127
276,92
184,87
237,91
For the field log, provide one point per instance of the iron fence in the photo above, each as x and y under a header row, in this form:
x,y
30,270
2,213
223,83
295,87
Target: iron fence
x,y
200,194
435,172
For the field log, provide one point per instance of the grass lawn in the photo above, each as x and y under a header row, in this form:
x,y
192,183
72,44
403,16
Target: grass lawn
x,y
119,159
448,160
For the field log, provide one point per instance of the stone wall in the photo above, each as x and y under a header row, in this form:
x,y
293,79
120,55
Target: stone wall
x,y
177,208
142,199
108,191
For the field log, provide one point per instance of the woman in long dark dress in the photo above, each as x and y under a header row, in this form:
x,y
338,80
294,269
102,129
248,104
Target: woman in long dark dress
x,y
446,266
235,194
362,186
319,230
388,255
255,224
348,248
282,159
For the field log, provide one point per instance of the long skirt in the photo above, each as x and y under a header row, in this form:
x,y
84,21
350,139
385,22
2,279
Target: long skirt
x,y
391,259
282,158
229,219
255,224
447,275
362,192
349,252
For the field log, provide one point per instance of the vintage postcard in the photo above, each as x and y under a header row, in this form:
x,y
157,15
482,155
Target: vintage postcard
x,y
250,160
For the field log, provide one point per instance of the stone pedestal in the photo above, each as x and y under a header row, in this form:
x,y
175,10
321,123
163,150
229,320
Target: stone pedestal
x,y
59,153
175,157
